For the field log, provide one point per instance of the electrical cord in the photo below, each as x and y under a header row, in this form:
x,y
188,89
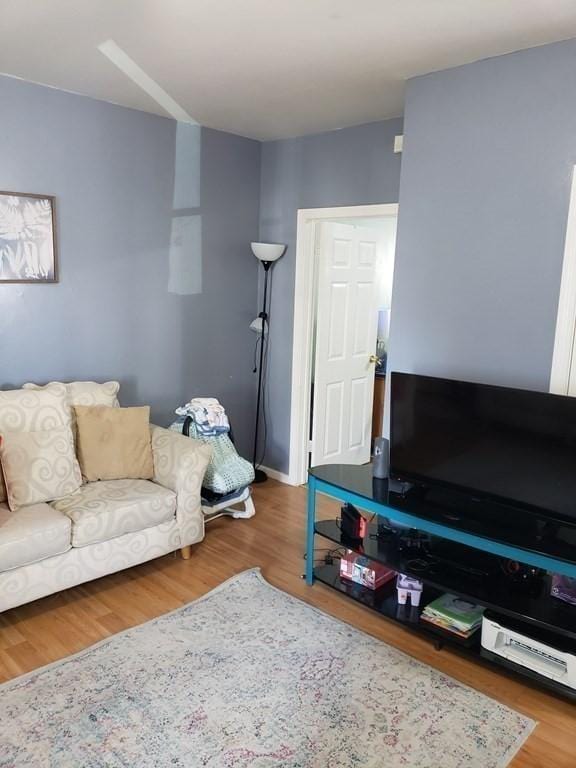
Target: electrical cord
x,y
255,369
419,565
330,555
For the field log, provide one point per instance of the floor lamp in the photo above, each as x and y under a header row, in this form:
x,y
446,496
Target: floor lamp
x,y
267,254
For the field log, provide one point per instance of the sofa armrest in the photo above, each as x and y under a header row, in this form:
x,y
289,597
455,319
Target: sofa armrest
x,y
179,464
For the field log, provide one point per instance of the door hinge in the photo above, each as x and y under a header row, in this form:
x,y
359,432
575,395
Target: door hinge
x,y
310,446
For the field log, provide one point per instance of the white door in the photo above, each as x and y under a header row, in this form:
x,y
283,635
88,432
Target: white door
x,y
563,373
346,327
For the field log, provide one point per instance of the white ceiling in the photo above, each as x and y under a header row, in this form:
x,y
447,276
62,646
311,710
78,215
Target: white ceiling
x,y
267,68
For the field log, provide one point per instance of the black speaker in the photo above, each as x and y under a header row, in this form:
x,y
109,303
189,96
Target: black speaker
x,y
381,458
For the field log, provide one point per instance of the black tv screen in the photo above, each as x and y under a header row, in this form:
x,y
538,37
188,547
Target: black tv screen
x,y
509,444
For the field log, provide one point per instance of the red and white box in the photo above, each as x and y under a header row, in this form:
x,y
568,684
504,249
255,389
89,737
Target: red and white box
x,y
361,570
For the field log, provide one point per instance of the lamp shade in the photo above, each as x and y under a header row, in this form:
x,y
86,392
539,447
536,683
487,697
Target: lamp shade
x,y
257,325
268,251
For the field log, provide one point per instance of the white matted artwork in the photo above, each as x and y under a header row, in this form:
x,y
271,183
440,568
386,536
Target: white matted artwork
x,y
27,238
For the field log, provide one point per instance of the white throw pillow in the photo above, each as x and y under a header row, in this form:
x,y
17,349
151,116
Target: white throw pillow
x,y
24,410
39,466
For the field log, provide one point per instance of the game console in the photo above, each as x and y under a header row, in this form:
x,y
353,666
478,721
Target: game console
x,y
353,525
515,646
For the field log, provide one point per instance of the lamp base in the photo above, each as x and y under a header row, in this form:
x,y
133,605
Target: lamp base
x,y
260,476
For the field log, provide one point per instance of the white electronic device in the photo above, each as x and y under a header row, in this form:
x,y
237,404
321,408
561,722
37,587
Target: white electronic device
x,y
527,652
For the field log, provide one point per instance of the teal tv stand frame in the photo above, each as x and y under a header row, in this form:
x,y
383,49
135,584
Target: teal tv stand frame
x,y
316,485
355,485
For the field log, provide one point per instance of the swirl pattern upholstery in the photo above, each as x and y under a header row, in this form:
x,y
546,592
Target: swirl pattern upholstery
x,y
77,565
40,465
110,508
104,526
36,532
81,393
32,411
180,464
84,392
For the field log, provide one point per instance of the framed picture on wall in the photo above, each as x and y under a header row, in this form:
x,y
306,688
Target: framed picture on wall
x,y
27,238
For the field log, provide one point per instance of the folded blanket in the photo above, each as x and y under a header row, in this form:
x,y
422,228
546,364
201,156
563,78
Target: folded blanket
x,y
208,415
227,471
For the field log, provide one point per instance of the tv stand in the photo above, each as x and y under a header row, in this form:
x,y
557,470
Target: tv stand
x,y
462,555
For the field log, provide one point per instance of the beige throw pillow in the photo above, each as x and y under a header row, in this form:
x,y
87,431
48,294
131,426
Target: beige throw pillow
x,y
39,466
114,443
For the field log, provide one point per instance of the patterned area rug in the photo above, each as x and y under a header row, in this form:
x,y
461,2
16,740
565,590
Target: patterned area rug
x,y
250,677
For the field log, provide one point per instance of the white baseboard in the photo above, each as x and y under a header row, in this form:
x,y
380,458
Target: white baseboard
x,y
274,474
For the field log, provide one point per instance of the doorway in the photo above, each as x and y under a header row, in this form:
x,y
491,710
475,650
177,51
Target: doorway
x,y
344,268
563,373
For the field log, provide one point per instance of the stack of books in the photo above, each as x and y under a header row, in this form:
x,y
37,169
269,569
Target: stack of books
x,y
454,614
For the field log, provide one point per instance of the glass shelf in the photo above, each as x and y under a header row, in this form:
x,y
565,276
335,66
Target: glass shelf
x,y
449,567
384,602
489,522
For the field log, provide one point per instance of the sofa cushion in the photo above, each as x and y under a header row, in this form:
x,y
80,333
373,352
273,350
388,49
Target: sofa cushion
x,y
31,534
84,392
108,508
114,443
23,410
39,466
81,393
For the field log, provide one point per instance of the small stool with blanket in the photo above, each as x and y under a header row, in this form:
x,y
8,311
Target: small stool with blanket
x,y
226,484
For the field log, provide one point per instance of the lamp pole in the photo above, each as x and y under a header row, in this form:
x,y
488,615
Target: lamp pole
x,y
267,254
260,475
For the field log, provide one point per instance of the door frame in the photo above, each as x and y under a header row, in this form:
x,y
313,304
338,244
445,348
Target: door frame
x,y
304,300
565,335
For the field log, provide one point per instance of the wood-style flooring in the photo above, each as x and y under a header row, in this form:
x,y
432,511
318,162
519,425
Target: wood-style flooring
x,y
56,626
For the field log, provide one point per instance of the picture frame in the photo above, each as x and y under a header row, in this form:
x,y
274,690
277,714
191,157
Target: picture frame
x,y
28,249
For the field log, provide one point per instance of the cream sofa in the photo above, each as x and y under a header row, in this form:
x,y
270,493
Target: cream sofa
x,y
104,527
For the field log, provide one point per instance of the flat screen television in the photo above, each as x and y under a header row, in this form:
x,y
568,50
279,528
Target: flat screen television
x,y
510,445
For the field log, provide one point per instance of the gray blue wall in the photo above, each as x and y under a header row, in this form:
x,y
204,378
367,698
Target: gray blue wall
x,y
353,166
111,316
488,155
486,169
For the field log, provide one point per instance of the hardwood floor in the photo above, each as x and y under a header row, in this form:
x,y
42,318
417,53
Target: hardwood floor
x,y
57,626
